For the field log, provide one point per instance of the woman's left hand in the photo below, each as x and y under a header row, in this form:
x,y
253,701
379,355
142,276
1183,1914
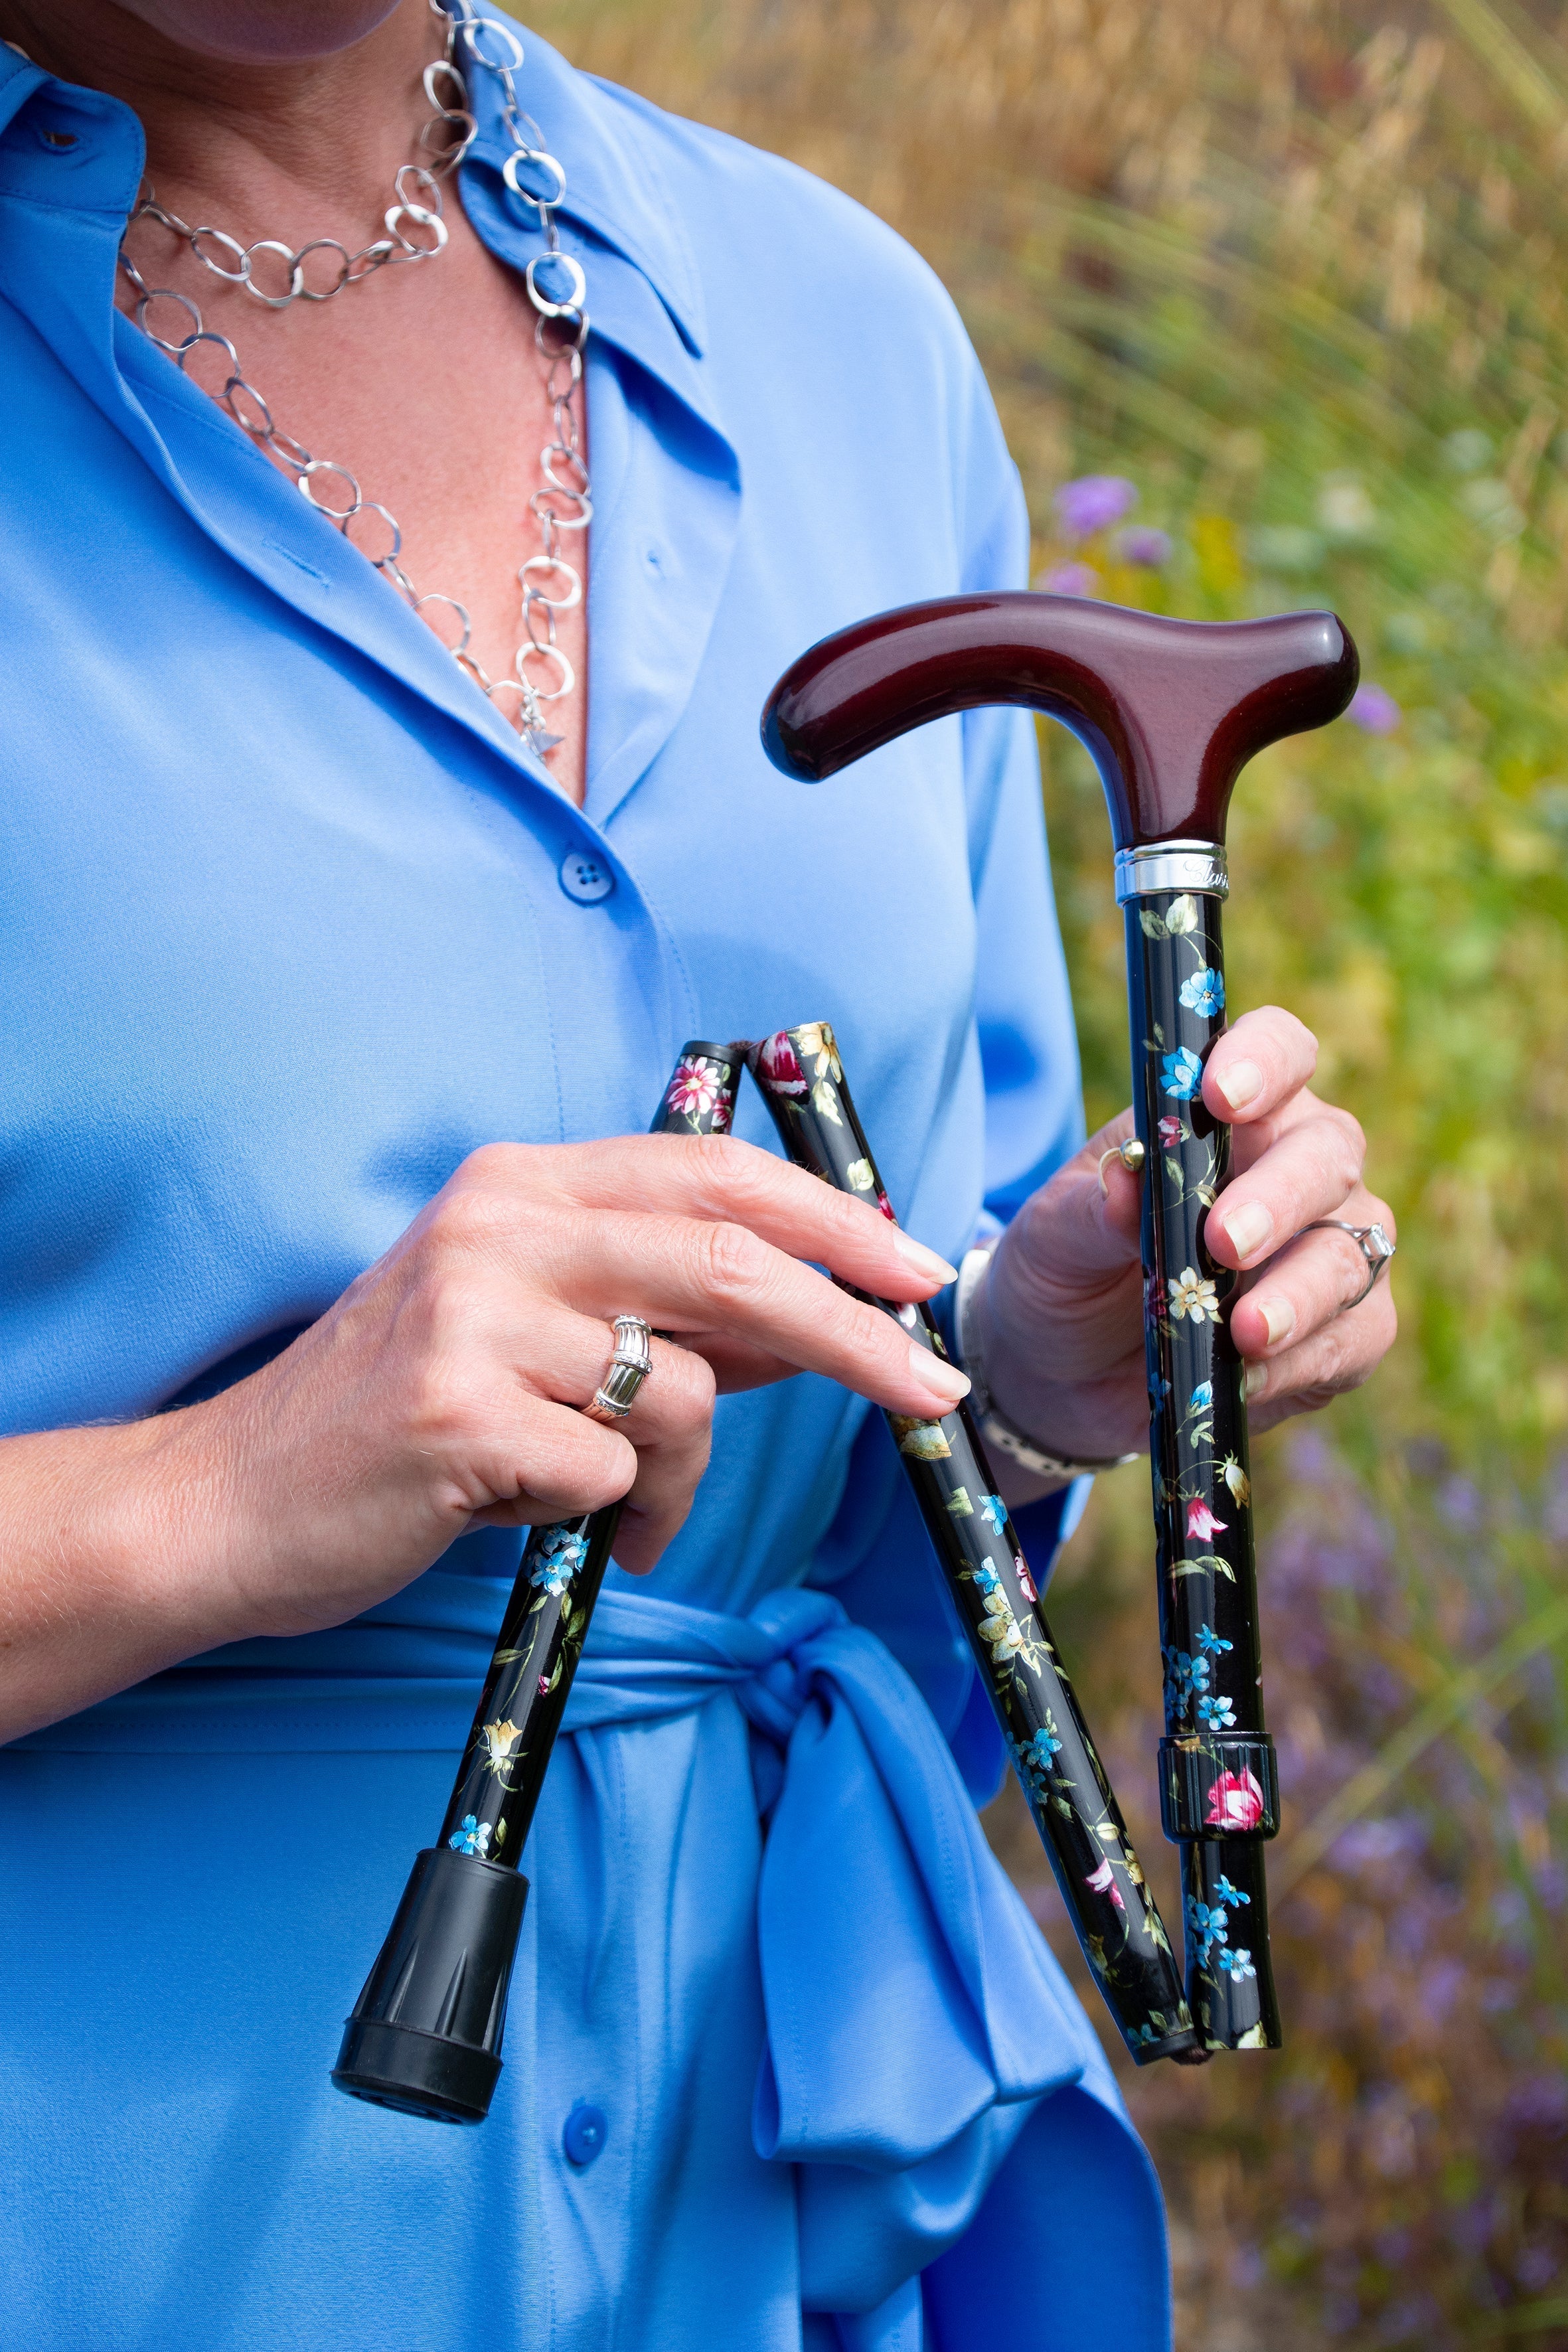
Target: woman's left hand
x,y
1061,1309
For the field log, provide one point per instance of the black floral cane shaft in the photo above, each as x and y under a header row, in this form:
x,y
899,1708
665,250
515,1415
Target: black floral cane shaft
x,y
547,1617
1112,1912
1219,1796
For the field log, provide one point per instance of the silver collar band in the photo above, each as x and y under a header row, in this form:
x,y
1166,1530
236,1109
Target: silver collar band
x,y
1160,866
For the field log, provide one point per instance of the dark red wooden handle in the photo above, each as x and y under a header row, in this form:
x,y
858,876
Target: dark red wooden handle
x,y
1170,710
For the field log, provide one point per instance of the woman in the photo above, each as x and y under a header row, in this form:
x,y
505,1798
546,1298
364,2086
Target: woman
x,y
328,972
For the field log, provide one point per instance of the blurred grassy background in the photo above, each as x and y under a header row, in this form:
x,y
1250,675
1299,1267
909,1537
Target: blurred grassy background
x,y
1294,270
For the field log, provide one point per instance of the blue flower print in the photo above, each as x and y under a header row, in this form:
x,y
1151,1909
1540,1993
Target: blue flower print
x,y
1217,1713
1206,1926
1036,1758
993,1510
1180,1073
1145,2034
1187,1678
1229,1894
1205,993
473,1837
1159,1390
1237,1962
986,1578
1209,1640
561,1555
1202,1397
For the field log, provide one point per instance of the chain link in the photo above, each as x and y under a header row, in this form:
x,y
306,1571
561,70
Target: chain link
x,y
276,275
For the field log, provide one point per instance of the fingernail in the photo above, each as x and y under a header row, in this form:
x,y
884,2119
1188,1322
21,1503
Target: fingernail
x,y
943,1379
924,1261
1279,1318
1249,1227
1254,1380
1238,1084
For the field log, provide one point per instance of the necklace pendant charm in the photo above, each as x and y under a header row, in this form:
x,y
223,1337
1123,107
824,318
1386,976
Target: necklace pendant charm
x,y
539,740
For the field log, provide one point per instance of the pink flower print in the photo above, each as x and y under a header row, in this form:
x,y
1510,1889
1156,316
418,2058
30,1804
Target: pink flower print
x,y
720,1119
1202,1522
1026,1581
886,1207
779,1067
1236,1802
693,1090
544,1686
1170,1130
1104,1881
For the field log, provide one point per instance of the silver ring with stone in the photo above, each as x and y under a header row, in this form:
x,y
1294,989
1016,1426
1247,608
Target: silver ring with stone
x,y
1373,1243
629,1367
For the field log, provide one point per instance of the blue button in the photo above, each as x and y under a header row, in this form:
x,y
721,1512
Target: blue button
x,y
586,877
587,2128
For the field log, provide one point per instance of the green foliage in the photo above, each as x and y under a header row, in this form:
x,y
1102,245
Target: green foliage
x,y
1295,268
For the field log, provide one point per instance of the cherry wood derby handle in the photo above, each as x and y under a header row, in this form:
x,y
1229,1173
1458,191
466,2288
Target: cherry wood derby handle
x,y
1169,711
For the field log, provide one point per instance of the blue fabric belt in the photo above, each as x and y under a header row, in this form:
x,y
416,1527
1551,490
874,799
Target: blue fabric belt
x,y
878,1893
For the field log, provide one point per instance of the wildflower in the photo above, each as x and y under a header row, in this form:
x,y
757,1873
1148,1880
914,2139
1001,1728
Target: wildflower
x,y
1373,711
1229,1894
1209,1640
1104,1881
472,1838
986,1578
1152,549
1068,580
1201,1398
993,1510
1237,1962
1236,1802
1217,1712
1181,1073
560,1557
1204,992
1094,502
1172,1132
1026,1581
1191,1295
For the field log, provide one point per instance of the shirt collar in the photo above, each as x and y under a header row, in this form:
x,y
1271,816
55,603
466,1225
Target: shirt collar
x,y
614,187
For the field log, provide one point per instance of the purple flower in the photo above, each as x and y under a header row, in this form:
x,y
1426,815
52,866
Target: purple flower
x,y
1141,545
1374,711
1093,502
1068,580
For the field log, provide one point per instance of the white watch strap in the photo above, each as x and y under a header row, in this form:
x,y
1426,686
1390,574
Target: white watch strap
x,y
996,1428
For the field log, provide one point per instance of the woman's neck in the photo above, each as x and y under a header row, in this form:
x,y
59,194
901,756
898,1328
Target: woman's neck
x,y
254,140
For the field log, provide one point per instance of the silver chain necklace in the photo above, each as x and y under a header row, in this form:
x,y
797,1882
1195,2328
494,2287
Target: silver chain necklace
x,y
555,286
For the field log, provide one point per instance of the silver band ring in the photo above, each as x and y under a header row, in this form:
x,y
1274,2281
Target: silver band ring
x,y
1373,1243
629,1367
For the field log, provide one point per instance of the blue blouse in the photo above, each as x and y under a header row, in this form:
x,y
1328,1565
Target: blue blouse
x,y
289,923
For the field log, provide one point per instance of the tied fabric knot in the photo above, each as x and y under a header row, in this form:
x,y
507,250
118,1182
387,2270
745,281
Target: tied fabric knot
x,y
914,2014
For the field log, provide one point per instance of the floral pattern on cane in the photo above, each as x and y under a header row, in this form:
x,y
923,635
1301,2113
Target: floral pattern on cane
x,y
501,1750
1237,1962
1237,1479
1216,1713
1204,992
561,1555
1192,1296
1104,1881
1036,1758
1026,1581
778,1067
473,1837
994,1511
1171,1131
1236,1802
695,1091
1202,1524
1180,1073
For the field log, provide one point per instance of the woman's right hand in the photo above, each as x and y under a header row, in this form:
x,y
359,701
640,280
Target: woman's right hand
x,y
441,1393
